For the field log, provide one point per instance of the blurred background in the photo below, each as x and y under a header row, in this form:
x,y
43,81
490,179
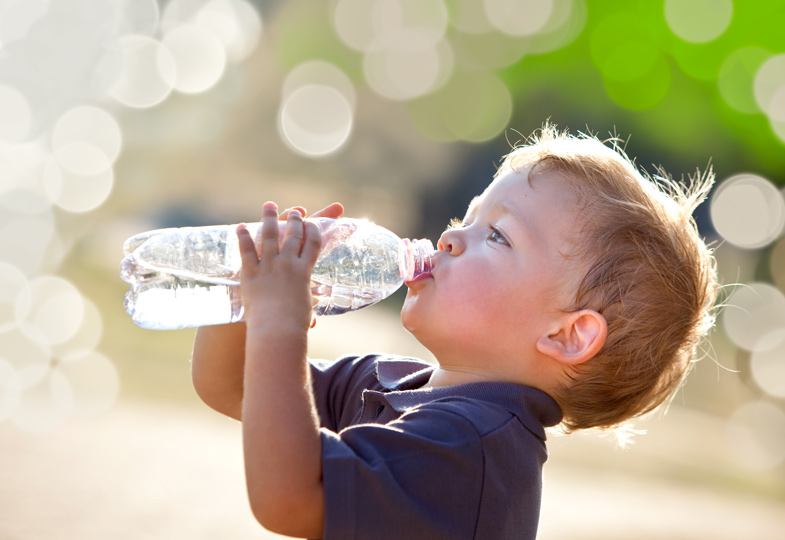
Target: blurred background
x,y
120,116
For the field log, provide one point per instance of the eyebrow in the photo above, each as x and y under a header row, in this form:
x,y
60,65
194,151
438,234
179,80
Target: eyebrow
x,y
504,207
499,207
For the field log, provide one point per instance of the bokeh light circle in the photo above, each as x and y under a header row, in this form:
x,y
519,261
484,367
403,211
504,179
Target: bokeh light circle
x,y
353,22
630,60
565,24
322,73
360,23
54,306
17,118
402,65
28,240
427,16
469,16
519,18
26,199
636,74
768,366
748,211
12,282
26,348
315,120
136,17
177,12
755,435
754,316
147,75
487,51
91,125
777,264
769,80
18,17
701,62
20,168
199,58
698,21
80,179
87,337
443,116
235,22
778,128
777,105
82,158
737,75
644,92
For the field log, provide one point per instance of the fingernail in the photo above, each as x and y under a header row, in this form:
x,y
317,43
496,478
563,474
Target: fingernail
x,y
271,205
295,212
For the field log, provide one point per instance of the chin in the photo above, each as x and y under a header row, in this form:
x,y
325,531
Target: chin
x,y
409,316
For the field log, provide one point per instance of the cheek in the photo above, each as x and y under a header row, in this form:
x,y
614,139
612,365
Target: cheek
x,y
412,310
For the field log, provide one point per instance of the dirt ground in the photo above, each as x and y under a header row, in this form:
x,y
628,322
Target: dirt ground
x,y
150,470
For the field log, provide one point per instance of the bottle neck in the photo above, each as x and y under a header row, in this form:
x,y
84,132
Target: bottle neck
x,y
416,258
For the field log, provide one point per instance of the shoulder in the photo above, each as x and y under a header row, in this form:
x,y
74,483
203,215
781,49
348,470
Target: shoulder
x,y
461,415
380,371
465,424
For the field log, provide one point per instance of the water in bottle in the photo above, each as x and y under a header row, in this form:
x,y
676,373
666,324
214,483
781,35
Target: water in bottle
x,y
186,277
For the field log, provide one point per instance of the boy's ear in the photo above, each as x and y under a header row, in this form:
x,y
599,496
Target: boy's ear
x,y
579,337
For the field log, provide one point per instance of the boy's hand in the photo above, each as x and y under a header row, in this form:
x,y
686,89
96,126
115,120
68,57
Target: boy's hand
x,y
275,285
281,439
334,210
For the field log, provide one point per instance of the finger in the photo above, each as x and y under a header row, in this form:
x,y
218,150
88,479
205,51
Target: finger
x,y
270,228
283,216
312,243
334,210
246,245
293,234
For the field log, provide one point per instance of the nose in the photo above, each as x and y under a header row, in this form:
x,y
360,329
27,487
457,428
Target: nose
x,y
452,240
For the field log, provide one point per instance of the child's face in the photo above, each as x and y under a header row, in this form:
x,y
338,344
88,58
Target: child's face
x,y
500,278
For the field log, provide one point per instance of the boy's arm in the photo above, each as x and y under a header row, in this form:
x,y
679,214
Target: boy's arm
x,y
281,439
219,353
217,367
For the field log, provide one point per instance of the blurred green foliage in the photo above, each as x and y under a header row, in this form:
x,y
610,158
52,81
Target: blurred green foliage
x,y
626,73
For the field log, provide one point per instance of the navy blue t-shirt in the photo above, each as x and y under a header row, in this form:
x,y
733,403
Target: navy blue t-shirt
x,y
402,462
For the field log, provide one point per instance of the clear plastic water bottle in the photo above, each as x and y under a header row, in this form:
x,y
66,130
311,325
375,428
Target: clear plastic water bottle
x,y
186,277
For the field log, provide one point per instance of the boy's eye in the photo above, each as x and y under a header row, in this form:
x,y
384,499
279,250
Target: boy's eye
x,y
497,237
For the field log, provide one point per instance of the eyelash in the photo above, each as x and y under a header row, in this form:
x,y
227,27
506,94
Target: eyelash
x,y
456,223
497,232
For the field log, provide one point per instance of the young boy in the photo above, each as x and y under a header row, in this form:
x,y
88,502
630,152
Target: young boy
x,y
573,292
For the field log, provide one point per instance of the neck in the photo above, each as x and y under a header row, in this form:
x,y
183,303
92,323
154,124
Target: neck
x,y
454,376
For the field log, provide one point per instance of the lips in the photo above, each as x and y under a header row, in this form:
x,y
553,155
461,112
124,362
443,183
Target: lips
x,y
425,275
421,277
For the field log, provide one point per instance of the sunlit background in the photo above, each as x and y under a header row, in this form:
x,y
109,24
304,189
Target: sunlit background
x,y
120,116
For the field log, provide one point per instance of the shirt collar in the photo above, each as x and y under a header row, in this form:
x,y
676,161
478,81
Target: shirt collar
x,y
402,381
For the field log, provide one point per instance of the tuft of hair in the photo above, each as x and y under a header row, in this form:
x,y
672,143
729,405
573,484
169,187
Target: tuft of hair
x,y
644,267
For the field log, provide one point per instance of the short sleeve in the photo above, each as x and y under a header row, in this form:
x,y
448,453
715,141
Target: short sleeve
x,y
338,387
418,477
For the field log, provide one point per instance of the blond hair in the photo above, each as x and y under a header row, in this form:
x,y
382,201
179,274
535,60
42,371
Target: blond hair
x,y
647,271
